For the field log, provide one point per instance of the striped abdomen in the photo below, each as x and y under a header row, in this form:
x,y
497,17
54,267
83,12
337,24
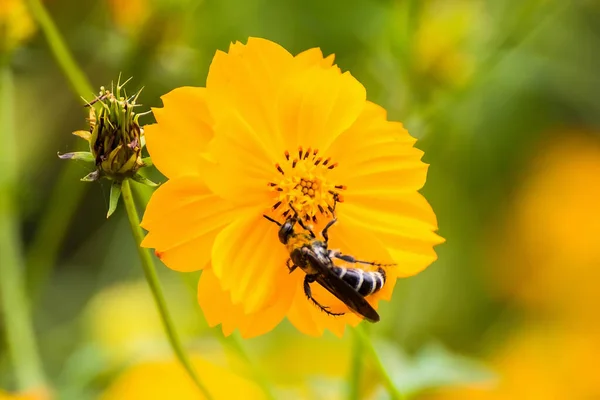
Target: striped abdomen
x,y
364,282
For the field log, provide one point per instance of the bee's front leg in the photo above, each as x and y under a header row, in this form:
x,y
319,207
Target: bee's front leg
x,y
291,266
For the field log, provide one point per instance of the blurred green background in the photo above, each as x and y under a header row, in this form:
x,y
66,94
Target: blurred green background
x,y
503,97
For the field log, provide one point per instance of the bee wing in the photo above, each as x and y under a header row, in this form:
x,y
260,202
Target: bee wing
x,y
340,289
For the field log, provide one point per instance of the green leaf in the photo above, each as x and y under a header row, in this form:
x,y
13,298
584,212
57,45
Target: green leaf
x,y
78,155
115,194
147,161
143,180
432,367
91,177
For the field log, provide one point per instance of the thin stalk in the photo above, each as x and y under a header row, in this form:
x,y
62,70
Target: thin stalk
x,y
155,287
356,368
362,336
63,56
65,196
20,337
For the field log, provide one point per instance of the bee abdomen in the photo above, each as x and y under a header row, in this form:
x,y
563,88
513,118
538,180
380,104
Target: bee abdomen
x,y
364,282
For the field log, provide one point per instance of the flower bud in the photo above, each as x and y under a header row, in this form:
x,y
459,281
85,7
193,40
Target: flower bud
x,y
115,139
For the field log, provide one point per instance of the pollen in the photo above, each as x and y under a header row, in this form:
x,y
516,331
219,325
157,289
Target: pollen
x,y
302,185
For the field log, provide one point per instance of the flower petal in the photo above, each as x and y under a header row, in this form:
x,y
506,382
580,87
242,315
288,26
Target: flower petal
x,y
377,156
218,309
183,218
311,57
404,226
238,168
167,379
182,131
244,82
317,104
250,262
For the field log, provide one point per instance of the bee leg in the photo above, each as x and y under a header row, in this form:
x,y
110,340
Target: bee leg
x,y
290,265
325,234
350,259
300,222
308,279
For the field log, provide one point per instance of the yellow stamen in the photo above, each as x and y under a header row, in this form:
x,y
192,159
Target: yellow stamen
x,y
302,186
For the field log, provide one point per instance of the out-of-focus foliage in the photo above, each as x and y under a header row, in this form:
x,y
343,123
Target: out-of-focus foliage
x,y
503,96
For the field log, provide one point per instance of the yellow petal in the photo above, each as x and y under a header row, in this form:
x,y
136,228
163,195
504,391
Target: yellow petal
x,y
316,105
183,218
239,169
249,261
244,82
218,309
182,131
311,57
377,156
404,227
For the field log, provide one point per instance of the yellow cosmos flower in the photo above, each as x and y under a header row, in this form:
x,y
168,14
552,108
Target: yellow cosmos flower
x,y
551,249
272,131
16,24
41,394
166,379
540,363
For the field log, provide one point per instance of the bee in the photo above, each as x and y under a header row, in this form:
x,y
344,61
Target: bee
x,y
349,285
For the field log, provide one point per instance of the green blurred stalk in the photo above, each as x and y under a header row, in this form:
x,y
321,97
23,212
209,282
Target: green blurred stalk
x,y
63,201
63,56
20,335
356,368
361,336
156,288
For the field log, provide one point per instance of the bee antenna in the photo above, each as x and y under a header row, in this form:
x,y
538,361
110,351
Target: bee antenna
x,y
272,220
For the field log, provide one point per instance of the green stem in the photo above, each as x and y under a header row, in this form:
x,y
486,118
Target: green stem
x,y
65,196
20,335
362,337
356,369
155,287
61,52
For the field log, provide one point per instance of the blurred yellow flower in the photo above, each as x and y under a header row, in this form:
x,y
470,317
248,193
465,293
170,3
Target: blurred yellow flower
x,y
131,14
135,329
166,379
541,363
242,146
551,248
41,394
443,36
16,24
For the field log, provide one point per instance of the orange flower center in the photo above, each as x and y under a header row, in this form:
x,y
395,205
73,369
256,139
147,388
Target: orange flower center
x,y
303,186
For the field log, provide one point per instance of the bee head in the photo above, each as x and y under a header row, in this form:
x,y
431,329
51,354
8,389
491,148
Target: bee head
x,y
286,231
